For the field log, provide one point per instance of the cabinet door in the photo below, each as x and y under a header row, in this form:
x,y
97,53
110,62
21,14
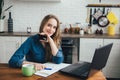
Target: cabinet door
x,y
87,48
23,38
112,68
8,46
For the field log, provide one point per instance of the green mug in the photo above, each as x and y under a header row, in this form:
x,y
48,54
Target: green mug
x,y
28,69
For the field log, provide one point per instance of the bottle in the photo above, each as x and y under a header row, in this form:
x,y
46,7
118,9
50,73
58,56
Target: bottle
x,y
71,29
89,30
10,23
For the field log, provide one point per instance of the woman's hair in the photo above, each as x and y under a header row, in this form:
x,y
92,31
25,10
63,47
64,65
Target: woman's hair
x,y
56,36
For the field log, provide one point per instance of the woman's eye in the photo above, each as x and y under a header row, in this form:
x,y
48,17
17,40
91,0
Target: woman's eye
x,y
54,27
49,25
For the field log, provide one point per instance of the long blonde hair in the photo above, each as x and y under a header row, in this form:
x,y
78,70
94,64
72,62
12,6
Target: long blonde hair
x,y
56,36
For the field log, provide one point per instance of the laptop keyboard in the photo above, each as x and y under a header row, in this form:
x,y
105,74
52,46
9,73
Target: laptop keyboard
x,y
81,68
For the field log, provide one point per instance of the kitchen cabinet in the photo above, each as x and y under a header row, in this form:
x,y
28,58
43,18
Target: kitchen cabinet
x,y
87,48
8,45
112,68
23,38
70,48
86,52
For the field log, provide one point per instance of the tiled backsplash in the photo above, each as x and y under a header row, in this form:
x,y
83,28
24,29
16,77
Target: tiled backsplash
x,y
30,14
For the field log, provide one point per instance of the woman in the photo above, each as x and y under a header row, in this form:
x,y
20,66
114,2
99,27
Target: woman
x,y
38,51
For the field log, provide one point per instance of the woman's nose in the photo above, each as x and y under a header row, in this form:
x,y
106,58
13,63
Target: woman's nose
x,y
51,28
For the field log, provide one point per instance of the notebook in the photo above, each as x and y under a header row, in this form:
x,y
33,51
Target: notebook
x,y
81,69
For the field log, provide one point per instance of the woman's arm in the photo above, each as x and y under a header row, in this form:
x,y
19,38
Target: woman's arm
x,y
57,53
54,48
18,57
59,57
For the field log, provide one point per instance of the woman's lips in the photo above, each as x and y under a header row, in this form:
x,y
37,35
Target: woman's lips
x,y
49,33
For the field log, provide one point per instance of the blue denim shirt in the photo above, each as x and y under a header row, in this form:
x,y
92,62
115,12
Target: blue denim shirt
x,y
33,51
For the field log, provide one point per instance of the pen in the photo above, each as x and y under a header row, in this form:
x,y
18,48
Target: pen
x,y
47,68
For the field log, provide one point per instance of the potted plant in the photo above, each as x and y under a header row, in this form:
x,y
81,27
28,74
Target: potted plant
x,y
1,7
1,16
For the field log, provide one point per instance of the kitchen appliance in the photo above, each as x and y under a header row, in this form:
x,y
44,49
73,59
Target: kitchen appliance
x,y
70,48
101,18
103,21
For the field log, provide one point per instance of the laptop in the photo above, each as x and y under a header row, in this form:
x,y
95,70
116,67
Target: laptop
x,y
82,69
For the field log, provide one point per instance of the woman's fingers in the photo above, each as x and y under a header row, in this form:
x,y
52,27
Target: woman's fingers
x,y
39,66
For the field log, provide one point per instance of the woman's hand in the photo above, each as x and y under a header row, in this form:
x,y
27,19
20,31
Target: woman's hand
x,y
39,66
43,37
54,48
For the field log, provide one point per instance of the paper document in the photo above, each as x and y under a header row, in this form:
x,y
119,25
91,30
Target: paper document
x,y
52,68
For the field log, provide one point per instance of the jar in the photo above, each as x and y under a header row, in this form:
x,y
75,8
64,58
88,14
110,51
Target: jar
x,y
28,29
81,31
111,29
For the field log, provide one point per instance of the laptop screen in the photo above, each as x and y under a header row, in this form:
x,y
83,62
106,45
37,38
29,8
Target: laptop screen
x,y
101,56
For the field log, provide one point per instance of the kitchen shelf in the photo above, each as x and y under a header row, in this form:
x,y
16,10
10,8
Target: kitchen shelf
x,y
104,5
42,0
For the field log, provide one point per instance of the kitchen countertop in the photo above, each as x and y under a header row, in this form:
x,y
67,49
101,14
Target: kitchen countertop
x,y
116,36
17,34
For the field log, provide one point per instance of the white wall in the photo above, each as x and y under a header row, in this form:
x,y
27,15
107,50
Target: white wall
x,y
29,13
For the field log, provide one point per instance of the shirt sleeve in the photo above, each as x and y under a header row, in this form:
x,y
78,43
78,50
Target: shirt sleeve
x,y
59,57
18,57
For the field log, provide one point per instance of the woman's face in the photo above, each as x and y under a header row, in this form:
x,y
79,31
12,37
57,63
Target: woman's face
x,y
50,27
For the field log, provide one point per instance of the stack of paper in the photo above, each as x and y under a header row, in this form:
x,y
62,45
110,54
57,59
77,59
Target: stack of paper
x,y
54,68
